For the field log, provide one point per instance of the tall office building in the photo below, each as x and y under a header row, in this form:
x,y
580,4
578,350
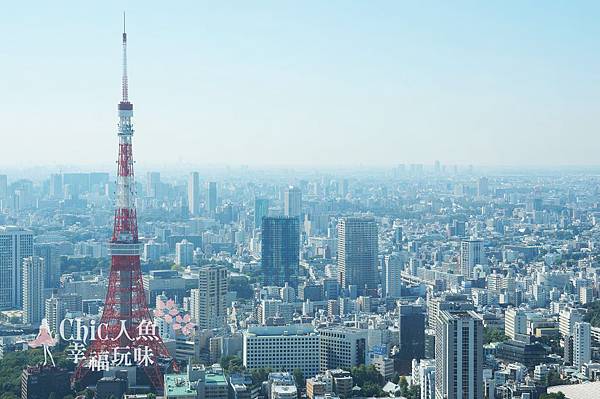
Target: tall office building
x,y
57,306
411,328
209,300
49,252
357,254
471,254
582,350
392,275
15,244
482,187
342,347
184,253
280,250
446,301
459,356
567,319
33,289
3,187
56,186
261,210
292,202
153,185
211,198
515,323
194,193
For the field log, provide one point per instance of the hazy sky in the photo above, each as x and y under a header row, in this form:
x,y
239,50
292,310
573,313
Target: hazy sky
x,y
303,82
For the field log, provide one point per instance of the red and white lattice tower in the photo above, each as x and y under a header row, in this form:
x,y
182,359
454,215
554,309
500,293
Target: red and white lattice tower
x,y
125,299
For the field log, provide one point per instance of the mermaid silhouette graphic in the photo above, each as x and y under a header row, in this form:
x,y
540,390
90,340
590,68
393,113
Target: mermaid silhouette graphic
x,y
45,339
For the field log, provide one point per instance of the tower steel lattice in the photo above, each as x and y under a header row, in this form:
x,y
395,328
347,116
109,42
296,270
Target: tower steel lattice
x,y
126,302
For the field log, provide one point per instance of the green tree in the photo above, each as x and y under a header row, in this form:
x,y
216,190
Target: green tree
x,y
260,375
363,374
403,385
493,335
299,378
232,364
372,389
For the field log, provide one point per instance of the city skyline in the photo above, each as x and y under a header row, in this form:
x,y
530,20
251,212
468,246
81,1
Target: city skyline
x,y
337,276
278,84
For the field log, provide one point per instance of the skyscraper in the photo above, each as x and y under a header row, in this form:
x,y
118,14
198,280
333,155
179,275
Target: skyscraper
x,y
153,185
56,307
411,328
292,202
392,275
56,186
471,254
184,253
582,352
459,356
211,200
482,187
3,187
515,323
194,193
33,289
261,210
49,252
357,254
209,300
15,244
280,250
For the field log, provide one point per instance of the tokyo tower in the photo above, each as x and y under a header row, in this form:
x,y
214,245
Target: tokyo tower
x,y
125,307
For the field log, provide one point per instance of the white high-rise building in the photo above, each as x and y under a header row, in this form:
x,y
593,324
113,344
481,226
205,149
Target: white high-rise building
x,y
292,202
57,306
392,275
209,300
184,253
471,254
582,350
567,319
15,244
426,374
459,356
33,290
515,322
194,193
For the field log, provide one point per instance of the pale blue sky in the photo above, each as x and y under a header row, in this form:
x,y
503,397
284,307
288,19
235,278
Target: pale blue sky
x,y
297,83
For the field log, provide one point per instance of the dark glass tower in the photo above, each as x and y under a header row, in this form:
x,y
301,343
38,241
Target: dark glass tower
x,y
411,325
280,250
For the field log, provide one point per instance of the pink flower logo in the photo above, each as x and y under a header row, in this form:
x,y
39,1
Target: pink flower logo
x,y
170,313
